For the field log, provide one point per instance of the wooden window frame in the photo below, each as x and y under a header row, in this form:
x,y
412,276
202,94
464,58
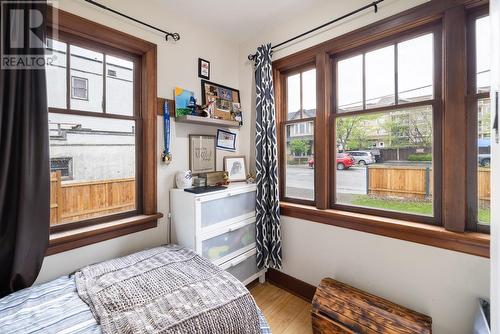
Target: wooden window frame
x,y
473,98
73,29
282,131
450,122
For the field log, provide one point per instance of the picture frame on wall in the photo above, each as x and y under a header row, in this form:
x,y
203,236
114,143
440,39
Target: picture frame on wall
x,y
202,154
226,140
203,69
226,100
236,168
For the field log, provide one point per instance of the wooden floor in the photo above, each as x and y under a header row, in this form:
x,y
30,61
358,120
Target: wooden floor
x,y
285,313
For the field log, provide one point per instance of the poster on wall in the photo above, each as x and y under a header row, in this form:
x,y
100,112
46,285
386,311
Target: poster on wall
x,y
202,154
226,140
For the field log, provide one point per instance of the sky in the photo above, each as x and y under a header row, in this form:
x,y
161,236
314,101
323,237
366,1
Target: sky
x,y
415,72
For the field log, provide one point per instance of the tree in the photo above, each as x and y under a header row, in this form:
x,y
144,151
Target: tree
x,y
410,129
299,146
349,132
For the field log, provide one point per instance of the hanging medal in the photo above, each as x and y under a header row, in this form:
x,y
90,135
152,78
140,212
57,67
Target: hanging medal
x,y
166,156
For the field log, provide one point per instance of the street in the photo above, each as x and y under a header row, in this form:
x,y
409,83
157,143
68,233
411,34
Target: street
x,y
300,181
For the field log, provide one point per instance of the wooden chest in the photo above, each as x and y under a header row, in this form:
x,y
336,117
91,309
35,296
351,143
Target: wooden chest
x,y
340,308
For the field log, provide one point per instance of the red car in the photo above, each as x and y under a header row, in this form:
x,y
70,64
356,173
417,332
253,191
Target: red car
x,y
344,161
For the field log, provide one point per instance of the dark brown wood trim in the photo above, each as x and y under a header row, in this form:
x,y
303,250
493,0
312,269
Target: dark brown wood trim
x,y
469,242
291,284
64,241
144,55
161,102
322,130
454,119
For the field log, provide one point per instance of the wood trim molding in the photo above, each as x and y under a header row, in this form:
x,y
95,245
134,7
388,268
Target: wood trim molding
x,y
291,284
146,94
455,119
159,106
469,242
64,241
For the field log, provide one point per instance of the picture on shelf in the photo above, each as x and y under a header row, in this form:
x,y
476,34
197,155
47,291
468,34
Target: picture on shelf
x,y
185,103
202,154
235,166
224,98
236,111
226,140
203,69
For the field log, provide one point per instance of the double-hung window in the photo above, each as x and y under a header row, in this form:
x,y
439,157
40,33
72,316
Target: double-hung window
x,y
298,135
479,120
386,109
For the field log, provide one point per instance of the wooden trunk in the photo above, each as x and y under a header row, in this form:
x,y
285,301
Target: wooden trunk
x,y
339,308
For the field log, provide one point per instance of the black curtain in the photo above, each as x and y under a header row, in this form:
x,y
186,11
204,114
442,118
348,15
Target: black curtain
x,y
24,149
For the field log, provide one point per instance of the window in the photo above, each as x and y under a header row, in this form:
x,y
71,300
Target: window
x,y
79,88
480,121
385,130
111,73
298,136
93,133
63,166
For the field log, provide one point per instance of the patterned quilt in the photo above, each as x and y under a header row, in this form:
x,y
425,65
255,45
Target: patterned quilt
x,y
55,307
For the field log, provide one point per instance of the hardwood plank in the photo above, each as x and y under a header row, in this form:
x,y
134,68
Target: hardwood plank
x,y
285,312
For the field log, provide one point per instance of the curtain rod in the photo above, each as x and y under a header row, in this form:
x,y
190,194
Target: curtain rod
x,y
174,35
373,4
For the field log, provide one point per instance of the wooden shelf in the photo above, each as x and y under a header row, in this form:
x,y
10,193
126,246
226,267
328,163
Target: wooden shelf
x,y
207,121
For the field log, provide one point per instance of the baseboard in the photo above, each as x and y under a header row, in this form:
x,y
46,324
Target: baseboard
x,y
291,284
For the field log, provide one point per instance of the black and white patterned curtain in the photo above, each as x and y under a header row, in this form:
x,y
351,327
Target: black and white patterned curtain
x,y
268,216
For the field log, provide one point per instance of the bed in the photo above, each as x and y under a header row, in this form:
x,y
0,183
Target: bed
x,y
57,307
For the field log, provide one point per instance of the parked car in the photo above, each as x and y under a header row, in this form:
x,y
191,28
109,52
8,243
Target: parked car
x,y
344,161
363,157
484,160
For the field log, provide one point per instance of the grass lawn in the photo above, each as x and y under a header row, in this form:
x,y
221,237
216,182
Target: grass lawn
x,y
419,208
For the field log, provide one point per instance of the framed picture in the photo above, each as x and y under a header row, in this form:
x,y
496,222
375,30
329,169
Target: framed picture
x,y
202,154
203,69
184,101
226,140
225,99
236,168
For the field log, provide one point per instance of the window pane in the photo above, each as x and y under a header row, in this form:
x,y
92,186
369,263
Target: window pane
x,y
483,54
385,161
415,69
92,167
56,75
300,160
350,84
309,93
379,68
88,64
484,160
119,86
293,94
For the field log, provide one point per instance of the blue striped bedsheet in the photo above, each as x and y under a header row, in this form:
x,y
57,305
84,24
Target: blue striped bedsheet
x,y
54,307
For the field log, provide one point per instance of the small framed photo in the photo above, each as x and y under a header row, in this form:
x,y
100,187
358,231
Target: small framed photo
x,y
236,168
203,69
202,154
226,140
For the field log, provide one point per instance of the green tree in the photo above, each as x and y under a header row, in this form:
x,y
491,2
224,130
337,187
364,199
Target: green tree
x,y
350,133
299,146
410,129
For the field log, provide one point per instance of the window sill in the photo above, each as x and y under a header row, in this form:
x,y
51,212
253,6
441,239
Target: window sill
x,y
79,237
469,242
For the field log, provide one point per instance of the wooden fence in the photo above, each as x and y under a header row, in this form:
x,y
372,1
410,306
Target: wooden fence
x,y
72,201
400,181
414,182
483,186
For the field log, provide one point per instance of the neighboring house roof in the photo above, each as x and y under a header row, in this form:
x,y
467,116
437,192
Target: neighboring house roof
x,y
307,113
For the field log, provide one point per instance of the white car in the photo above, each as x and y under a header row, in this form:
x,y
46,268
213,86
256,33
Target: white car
x,y
363,157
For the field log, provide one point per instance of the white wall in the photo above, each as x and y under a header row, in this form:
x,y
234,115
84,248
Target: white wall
x,y
437,282
177,66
